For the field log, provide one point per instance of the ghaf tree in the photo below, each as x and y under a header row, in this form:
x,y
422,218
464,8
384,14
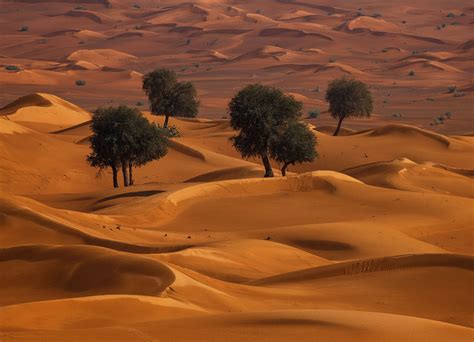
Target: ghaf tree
x,y
348,98
259,112
296,144
169,97
122,138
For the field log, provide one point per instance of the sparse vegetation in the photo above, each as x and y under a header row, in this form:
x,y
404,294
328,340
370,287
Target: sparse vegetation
x,y
24,29
348,98
411,73
139,103
123,139
452,89
81,83
169,97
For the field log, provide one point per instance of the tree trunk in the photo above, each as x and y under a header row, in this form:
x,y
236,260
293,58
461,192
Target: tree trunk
x,y
130,173
115,178
283,169
125,173
165,124
268,166
338,126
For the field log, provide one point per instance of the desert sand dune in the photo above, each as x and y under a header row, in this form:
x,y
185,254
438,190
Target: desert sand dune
x,y
370,242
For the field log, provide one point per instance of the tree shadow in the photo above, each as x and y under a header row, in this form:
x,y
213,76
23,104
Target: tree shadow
x,y
144,193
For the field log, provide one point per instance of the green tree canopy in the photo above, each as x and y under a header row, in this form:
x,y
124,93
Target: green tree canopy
x,y
169,97
296,144
123,138
259,112
348,98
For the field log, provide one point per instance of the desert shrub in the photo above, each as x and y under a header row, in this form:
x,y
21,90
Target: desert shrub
x,y
411,73
448,115
24,29
317,89
139,103
376,15
455,23
80,8
451,89
459,94
173,132
81,83
12,68
450,15
314,114
397,115
332,59
136,6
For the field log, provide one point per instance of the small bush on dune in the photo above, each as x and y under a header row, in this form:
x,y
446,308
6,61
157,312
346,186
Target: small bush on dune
x,y
23,29
81,83
451,89
12,68
411,73
314,114
173,132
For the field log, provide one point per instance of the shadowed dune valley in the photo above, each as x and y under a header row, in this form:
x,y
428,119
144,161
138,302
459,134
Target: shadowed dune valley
x,y
234,170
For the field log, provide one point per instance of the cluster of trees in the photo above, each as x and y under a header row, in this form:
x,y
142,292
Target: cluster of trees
x,y
123,139
267,121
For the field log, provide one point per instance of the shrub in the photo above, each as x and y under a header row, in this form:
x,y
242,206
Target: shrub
x,y
448,115
81,83
459,94
140,103
450,15
136,6
24,29
80,8
314,114
451,89
12,68
317,89
332,59
411,73
173,132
